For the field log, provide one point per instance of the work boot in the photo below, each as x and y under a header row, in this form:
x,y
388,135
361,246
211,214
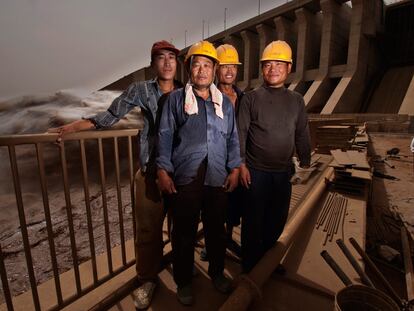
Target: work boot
x,y
143,295
185,295
222,284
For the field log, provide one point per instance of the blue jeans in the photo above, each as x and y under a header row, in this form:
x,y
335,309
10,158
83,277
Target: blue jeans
x,y
265,214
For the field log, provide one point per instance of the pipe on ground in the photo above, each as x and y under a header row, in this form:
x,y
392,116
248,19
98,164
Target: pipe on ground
x,y
249,286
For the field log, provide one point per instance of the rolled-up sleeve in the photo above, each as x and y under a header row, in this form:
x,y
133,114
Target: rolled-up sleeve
x,y
166,135
233,144
120,106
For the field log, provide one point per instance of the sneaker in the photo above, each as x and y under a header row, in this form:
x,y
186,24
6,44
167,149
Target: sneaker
x,y
185,295
203,255
143,295
222,284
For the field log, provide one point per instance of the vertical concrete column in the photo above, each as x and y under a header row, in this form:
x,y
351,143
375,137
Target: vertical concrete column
x,y
286,30
251,58
331,46
237,42
266,35
308,46
361,63
407,106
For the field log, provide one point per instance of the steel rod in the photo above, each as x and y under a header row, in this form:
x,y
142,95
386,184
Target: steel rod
x,y
69,214
343,219
324,210
329,207
23,226
105,205
88,209
119,195
335,219
378,273
5,283
364,277
13,140
49,225
335,267
329,218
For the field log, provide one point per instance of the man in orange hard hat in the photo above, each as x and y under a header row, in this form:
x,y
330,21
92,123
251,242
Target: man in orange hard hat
x,y
272,124
150,212
198,164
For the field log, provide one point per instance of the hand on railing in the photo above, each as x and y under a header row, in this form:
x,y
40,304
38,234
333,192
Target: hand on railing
x,y
75,126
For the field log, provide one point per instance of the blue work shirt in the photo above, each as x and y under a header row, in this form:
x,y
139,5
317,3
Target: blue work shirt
x,y
144,95
184,141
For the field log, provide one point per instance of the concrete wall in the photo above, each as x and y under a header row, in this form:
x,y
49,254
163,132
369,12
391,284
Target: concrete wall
x,y
335,46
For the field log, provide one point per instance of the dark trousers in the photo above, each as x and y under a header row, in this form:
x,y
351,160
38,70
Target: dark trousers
x,y
265,214
185,207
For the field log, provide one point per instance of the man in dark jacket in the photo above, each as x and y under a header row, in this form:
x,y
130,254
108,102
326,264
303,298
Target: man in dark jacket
x,y
272,124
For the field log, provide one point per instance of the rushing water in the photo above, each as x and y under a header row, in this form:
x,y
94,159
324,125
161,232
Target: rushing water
x,y
35,114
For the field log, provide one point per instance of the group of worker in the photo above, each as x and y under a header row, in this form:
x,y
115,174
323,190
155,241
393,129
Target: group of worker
x,y
213,152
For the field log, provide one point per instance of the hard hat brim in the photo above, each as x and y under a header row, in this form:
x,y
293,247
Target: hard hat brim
x,y
231,63
278,59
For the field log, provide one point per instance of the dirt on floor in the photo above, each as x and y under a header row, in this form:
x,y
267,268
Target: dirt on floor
x,y
391,203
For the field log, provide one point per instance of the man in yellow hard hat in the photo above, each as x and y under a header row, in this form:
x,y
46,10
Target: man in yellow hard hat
x,y
150,211
226,77
227,73
272,124
198,162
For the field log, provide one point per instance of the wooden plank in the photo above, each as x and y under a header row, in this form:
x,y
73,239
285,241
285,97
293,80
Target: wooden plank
x,y
362,138
358,158
337,127
360,174
335,164
341,157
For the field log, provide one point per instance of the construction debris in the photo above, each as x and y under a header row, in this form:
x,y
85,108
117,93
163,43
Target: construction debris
x,y
387,252
334,137
332,215
352,171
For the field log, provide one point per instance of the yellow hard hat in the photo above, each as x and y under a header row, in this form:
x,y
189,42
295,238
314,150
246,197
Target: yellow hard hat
x,y
227,55
203,48
277,50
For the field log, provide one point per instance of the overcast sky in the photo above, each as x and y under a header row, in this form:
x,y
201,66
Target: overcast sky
x,y
50,45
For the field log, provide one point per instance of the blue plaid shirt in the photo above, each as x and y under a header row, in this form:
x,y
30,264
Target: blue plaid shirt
x,y
144,95
184,141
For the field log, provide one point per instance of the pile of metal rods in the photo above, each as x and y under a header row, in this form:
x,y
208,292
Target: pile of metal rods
x,y
332,215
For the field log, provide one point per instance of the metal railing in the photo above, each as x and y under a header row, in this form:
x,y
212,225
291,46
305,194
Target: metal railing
x,y
39,141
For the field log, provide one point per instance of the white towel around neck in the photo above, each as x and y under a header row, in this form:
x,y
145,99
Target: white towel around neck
x,y
190,102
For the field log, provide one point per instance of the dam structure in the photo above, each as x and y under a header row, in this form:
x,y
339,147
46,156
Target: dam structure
x,y
348,56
